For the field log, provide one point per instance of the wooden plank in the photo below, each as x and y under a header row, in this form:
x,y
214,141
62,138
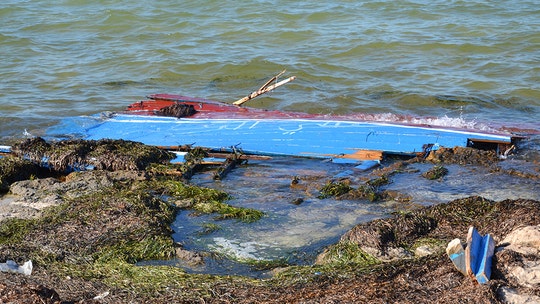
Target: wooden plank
x,y
367,164
363,155
226,167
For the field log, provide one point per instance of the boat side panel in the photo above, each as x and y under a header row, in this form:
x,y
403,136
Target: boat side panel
x,y
314,138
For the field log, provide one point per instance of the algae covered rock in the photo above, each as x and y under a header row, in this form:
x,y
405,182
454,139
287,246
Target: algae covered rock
x,y
13,169
105,154
437,172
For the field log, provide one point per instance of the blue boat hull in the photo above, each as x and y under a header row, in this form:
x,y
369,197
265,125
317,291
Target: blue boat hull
x,y
293,137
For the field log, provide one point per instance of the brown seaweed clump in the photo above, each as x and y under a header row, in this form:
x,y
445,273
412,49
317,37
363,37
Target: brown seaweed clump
x,y
104,154
177,110
436,172
13,169
463,156
445,222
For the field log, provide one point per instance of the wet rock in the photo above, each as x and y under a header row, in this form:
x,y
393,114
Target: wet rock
x,y
295,180
31,188
436,172
28,198
395,196
297,201
528,274
190,257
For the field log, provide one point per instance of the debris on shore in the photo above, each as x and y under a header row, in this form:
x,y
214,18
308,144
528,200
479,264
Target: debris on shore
x,y
86,242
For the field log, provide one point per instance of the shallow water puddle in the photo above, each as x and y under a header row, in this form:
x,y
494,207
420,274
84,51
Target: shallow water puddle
x,y
298,225
464,181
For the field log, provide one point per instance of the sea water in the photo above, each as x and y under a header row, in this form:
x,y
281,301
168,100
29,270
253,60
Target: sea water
x,y
477,60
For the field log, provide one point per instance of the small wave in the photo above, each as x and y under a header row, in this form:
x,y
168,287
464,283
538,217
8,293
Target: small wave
x,y
444,121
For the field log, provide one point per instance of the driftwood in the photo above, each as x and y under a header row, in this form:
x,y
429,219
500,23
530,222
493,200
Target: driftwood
x,y
230,163
267,87
226,167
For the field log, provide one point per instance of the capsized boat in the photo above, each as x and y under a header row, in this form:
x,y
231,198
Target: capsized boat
x,y
173,120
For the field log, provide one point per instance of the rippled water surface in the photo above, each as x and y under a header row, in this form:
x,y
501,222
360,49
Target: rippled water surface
x,y
474,59
462,63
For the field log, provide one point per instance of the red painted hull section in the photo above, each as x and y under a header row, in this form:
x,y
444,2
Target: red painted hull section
x,y
207,108
214,109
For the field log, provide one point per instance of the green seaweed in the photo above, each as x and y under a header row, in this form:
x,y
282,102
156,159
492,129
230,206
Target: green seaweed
x,y
206,201
13,230
368,192
332,188
151,247
345,252
208,228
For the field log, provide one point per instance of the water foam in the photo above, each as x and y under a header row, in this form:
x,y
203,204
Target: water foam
x,y
443,121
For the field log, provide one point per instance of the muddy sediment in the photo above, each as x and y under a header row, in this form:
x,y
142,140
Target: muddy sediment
x,y
89,229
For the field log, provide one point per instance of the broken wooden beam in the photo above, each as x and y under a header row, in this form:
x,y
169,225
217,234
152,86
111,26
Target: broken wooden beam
x,y
229,164
210,153
265,88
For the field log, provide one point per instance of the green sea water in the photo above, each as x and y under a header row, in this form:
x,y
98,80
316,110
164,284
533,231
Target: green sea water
x,y
476,60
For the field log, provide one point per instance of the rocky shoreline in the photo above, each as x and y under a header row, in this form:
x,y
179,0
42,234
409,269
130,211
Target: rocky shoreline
x,y
85,232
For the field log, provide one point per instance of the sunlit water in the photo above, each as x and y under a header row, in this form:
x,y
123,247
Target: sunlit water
x,y
296,233
453,63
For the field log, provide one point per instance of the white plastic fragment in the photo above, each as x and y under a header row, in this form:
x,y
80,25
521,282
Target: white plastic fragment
x,y
101,296
12,266
456,253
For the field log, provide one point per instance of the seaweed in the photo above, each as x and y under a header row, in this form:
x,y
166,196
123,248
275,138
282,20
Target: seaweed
x,y
436,172
104,154
13,169
332,188
177,110
205,200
